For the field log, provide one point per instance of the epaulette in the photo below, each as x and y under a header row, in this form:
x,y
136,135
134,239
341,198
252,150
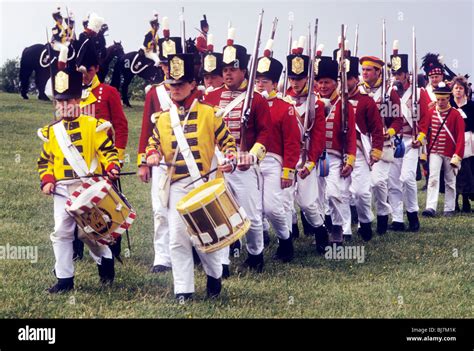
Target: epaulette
x,y
287,99
43,133
154,117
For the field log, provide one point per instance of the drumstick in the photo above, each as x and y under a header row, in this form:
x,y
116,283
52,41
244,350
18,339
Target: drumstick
x,y
58,194
202,177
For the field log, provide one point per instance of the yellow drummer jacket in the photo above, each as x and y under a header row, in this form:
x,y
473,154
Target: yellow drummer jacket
x,y
89,135
203,131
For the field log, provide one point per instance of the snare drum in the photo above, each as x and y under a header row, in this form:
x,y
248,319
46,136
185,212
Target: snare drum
x,y
212,216
100,210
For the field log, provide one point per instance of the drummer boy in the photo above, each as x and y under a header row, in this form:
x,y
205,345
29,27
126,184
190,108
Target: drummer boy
x,y
75,145
202,132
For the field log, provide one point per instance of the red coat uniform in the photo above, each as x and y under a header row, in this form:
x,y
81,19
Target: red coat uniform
x,y
316,128
334,137
104,102
258,126
444,144
368,121
201,43
392,115
152,105
284,131
423,101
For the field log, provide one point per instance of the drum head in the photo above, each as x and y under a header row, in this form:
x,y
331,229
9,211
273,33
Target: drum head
x,y
96,190
201,195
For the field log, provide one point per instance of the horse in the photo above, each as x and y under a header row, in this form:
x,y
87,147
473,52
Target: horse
x,y
36,58
128,66
135,63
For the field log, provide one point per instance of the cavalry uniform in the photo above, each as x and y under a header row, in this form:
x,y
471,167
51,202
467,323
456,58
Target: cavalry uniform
x,y
203,131
60,41
369,130
201,39
340,148
247,184
89,137
402,188
393,121
445,150
150,43
283,151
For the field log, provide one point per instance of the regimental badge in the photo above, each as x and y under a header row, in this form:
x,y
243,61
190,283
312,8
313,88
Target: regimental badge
x,y
316,65
61,82
176,68
169,48
230,54
264,65
210,63
297,65
396,63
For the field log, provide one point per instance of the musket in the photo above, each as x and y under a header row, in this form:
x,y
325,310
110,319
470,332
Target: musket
x,y
251,85
310,101
384,68
344,91
183,29
356,41
68,29
274,27
285,73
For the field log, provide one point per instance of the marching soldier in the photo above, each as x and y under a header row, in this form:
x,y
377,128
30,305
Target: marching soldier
x,y
402,188
202,39
162,261
283,149
307,189
150,44
369,129
211,67
202,133
390,111
340,148
57,166
245,179
445,150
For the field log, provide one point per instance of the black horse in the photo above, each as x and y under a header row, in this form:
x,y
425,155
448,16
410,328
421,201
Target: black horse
x,y
128,66
36,58
135,63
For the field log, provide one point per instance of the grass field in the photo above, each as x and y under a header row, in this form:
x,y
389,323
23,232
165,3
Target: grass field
x,y
404,275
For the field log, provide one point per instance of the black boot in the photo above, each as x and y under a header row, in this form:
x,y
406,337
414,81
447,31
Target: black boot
x,y
106,271
322,240
214,287
307,228
456,202
354,215
225,271
295,231
77,247
397,226
413,221
466,205
63,285
336,236
266,238
328,222
382,224
285,250
365,231
255,262
182,297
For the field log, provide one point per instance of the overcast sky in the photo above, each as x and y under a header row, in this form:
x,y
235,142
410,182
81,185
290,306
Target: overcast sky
x,y
441,26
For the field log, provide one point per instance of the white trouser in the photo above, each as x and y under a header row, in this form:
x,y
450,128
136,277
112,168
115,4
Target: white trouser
x,y
63,48
337,191
273,197
379,177
152,56
289,206
402,182
161,238
436,162
308,194
63,235
181,245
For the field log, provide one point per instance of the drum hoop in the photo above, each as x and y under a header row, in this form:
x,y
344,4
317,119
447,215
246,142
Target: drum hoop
x,y
196,205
